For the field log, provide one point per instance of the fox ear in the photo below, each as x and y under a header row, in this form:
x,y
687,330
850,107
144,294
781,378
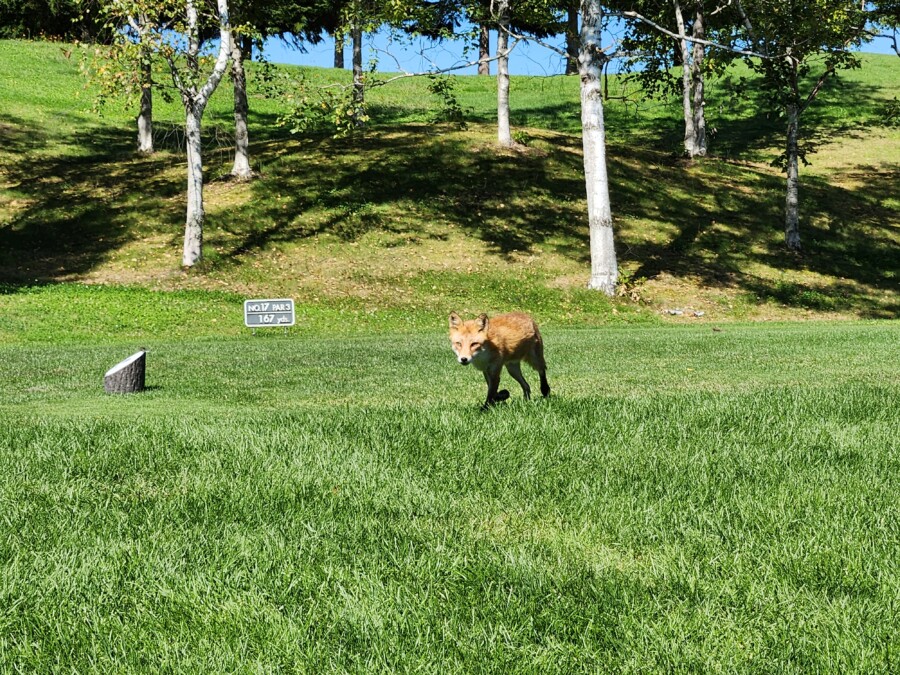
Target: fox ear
x,y
482,322
454,320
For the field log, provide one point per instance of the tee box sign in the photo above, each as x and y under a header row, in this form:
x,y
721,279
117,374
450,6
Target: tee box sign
x,y
275,313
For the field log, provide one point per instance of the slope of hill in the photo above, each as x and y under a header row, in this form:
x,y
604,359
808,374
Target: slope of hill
x,y
412,218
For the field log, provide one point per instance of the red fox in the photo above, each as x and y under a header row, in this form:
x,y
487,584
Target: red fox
x,y
504,340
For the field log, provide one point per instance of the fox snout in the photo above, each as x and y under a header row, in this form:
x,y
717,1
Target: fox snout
x,y
464,360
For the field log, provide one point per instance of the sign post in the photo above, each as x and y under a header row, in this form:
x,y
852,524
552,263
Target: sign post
x,y
269,313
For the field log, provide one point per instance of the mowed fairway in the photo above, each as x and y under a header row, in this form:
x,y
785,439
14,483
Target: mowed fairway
x,y
688,500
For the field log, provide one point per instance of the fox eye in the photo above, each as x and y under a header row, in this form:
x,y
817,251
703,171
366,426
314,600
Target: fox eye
x,y
476,345
457,344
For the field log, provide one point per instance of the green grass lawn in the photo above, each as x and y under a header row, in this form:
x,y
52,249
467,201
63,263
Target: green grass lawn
x,y
717,496
688,500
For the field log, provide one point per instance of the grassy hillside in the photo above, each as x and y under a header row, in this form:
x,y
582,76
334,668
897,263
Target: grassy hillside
x,y
414,218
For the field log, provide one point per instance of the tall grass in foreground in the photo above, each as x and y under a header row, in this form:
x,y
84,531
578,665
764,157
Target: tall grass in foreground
x,y
687,501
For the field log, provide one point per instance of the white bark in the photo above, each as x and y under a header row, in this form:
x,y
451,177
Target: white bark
x,y
241,168
504,134
698,87
692,84
359,90
145,115
604,270
193,229
792,202
690,133
194,104
141,25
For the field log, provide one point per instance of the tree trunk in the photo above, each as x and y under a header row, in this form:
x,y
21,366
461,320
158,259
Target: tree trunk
x,y
241,168
145,116
338,50
484,50
572,39
193,229
604,270
359,92
697,85
792,204
194,104
504,135
690,131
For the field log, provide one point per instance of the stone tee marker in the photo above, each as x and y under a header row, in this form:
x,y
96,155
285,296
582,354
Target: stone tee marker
x,y
127,377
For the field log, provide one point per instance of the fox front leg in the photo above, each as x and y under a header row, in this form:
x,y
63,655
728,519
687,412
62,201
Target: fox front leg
x,y
492,377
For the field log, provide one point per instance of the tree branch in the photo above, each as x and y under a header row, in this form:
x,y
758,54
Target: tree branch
x,y
892,38
721,8
815,90
438,71
708,43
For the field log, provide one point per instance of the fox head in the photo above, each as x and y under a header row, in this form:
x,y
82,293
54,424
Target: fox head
x,y
468,337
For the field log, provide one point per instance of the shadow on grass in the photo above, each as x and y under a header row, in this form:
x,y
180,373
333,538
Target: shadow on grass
x,y
402,181
743,121
76,200
720,219
711,221
75,203
722,226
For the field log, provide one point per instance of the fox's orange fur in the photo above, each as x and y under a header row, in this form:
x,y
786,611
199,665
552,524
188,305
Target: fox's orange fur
x,y
502,340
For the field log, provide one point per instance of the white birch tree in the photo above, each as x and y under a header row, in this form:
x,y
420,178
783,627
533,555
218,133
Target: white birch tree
x,y
504,133
692,82
141,26
604,268
195,93
591,60
241,167
124,67
689,22
805,43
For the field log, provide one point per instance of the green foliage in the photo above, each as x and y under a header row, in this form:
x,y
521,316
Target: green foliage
x,y
449,110
656,55
59,19
800,39
890,113
314,108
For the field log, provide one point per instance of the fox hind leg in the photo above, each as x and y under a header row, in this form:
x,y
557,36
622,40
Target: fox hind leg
x,y
535,359
514,368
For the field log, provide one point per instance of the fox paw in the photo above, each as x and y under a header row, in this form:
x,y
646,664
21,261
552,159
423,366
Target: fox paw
x,y
498,397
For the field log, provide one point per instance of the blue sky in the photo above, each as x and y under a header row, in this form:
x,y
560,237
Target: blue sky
x,y
422,55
